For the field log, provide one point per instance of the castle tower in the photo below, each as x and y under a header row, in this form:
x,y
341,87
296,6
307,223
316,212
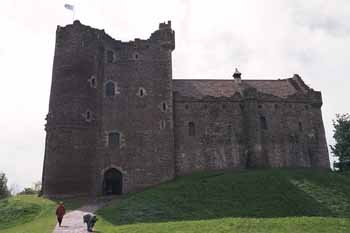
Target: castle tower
x,y
135,139
71,120
109,126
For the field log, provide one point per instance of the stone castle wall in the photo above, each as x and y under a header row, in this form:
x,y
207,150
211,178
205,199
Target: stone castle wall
x,y
250,130
102,87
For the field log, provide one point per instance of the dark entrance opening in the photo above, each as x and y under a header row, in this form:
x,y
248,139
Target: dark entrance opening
x,y
112,182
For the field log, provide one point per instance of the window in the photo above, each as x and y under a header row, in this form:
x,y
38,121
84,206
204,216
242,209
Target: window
x,y
88,115
241,107
263,123
113,139
191,129
162,124
110,89
300,127
110,56
164,106
141,92
186,106
92,81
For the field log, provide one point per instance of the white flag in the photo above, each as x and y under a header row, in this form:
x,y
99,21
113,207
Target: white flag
x,y
69,7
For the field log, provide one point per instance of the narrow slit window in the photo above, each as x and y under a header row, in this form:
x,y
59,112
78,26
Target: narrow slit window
x,y
93,82
191,129
164,106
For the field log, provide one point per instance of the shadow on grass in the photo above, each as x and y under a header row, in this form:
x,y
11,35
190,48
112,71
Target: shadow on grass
x,y
254,194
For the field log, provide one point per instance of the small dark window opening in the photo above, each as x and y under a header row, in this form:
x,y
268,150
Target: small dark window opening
x,y
88,115
223,106
164,107
241,106
191,129
306,107
300,127
113,139
186,106
93,82
259,106
276,106
110,89
136,56
110,56
141,92
263,123
205,106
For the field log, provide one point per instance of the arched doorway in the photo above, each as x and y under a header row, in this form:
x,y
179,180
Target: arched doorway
x,y
112,182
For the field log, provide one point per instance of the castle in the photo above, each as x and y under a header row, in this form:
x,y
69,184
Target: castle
x,y
118,122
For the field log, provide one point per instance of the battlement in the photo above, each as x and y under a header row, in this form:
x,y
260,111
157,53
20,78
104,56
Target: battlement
x,y
164,35
165,25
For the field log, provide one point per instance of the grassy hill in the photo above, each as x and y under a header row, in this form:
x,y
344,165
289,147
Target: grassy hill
x,y
254,201
30,214
237,201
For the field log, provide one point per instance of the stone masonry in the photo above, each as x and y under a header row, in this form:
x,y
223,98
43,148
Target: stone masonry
x,y
118,122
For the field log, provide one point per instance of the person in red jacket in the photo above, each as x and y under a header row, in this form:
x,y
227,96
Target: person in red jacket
x,y
60,211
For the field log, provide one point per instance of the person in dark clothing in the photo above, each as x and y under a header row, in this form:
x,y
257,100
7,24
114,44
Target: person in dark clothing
x,y
60,212
90,221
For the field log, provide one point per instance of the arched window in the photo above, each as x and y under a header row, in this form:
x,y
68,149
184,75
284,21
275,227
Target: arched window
x,y
191,129
109,89
263,123
113,139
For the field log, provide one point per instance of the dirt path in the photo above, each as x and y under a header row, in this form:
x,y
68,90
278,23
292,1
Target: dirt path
x,y
73,220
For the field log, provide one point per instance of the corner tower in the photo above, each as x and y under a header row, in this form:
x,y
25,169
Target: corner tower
x,y
71,120
110,120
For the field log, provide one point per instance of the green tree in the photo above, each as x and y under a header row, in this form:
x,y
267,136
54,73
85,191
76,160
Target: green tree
x,y
341,149
27,191
4,192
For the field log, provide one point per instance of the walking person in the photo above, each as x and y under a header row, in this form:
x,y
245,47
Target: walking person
x,y
60,211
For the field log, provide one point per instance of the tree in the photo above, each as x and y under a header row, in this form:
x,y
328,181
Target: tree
x,y
4,192
341,149
28,191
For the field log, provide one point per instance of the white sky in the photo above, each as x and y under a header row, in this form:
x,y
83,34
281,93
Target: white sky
x,y
265,39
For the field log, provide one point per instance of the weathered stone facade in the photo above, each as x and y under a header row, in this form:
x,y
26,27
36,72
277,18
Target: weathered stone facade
x,y
118,122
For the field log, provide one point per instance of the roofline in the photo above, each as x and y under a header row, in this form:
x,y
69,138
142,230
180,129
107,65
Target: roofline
x,y
182,79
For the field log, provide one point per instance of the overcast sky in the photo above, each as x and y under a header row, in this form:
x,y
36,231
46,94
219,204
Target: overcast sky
x,y
266,39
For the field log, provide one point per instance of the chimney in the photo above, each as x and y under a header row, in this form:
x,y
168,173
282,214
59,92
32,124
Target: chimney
x,y
237,76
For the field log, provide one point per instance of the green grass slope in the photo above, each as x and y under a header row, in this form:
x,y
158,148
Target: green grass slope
x,y
275,200
30,214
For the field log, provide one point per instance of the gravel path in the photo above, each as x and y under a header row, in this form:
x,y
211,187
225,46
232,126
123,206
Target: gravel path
x,y
73,220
